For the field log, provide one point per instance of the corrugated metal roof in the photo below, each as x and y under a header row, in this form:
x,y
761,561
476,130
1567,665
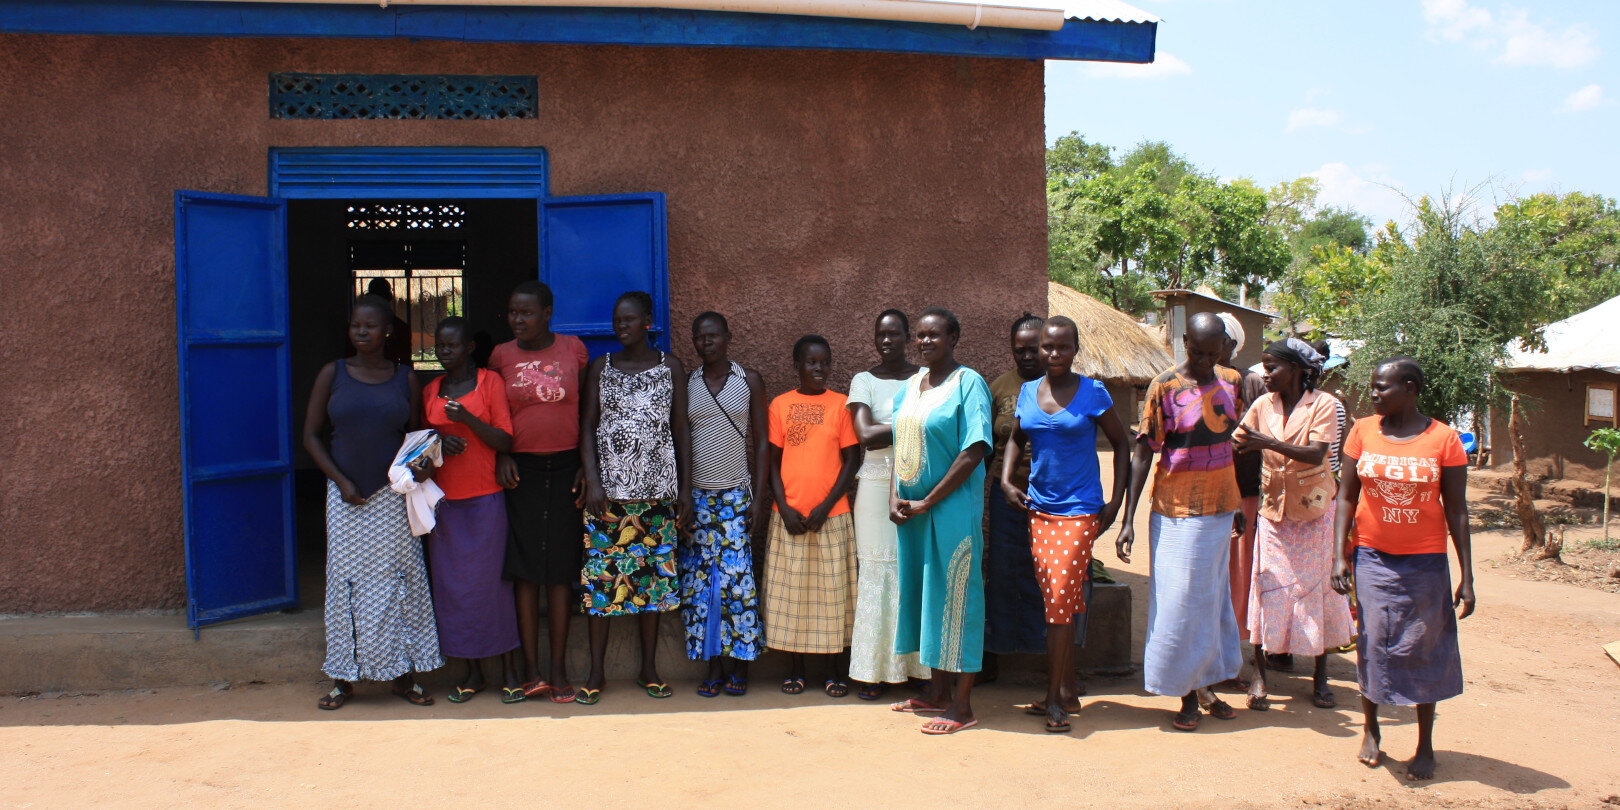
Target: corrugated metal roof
x,y
1099,10
1577,343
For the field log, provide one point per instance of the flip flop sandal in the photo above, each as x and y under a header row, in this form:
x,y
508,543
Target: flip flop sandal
x,y
334,699
657,689
708,689
1221,710
536,688
1324,699
835,688
1258,703
940,726
1185,721
587,696
792,686
872,691
563,694
513,694
736,687
915,706
414,695
461,694
1057,722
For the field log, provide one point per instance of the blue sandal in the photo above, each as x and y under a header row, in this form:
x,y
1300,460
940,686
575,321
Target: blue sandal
x,y
708,688
736,687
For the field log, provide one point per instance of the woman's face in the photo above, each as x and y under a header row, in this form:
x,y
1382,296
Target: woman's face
x,y
890,339
934,343
1058,349
452,348
710,340
368,329
527,319
1282,377
1026,352
813,364
630,323
1390,394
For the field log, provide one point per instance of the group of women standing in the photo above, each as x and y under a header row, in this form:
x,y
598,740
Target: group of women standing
x,y
645,488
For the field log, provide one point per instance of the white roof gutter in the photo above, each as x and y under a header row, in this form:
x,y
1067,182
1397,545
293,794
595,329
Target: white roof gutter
x,y
946,12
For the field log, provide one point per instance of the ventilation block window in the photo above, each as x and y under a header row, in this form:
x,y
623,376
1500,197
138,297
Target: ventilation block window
x,y
335,96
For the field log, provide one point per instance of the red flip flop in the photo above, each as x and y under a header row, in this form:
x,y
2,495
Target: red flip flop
x,y
916,706
940,726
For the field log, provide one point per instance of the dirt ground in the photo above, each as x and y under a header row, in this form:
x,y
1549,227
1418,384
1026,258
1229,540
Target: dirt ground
x,y
1538,726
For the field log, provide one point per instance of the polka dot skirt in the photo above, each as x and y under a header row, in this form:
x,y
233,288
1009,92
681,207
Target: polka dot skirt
x,y
1062,547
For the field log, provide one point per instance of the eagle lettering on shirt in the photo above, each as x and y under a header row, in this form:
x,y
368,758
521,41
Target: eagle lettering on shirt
x,y
1397,482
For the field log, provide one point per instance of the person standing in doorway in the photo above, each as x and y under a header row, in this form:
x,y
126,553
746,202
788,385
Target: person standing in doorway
x,y
725,406
872,659
638,489
1190,414
1058,416
810,555
1403,493
476,616
942,433
397,347
543,478
379,610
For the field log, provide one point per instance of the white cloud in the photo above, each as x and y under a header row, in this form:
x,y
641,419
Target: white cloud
x,y
1511,33
1377,196
1163,65
1313,117
1585,98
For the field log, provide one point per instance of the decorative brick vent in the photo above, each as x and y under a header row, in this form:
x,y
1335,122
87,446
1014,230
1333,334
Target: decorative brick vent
x,y
335,96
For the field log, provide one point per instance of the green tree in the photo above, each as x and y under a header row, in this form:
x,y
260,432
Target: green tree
x,y
1605,440
1574,240
1073,156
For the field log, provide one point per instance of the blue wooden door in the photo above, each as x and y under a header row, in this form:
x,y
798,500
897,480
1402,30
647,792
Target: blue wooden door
x,y
592,249
235,405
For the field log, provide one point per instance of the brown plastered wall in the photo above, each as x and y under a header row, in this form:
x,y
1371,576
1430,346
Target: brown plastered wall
x,y
807,191
1555,426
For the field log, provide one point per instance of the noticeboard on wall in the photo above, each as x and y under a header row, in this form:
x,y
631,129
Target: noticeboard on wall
x,y
1600,403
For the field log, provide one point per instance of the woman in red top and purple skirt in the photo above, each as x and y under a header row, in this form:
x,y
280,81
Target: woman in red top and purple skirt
x,y
1403,492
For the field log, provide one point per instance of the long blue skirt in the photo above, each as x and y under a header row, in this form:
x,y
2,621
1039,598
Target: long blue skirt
x,y
1192,633
1406,638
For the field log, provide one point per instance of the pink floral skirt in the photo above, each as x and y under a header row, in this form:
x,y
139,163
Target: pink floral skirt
x,y
1292,605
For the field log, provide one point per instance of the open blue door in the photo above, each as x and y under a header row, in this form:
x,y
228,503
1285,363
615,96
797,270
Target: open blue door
x,y
235,404
592,249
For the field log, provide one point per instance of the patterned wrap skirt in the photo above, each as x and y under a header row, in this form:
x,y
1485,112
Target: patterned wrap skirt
x,y
473,604
379,609
719,604
1014,616
810,587
1406,644
1292,605
1192,633
1062,549
872,658
630,559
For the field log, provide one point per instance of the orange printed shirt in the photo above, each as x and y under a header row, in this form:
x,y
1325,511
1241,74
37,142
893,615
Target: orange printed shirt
x,y
1400,510
812,433
1190,426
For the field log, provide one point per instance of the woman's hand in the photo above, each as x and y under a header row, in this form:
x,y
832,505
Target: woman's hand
x,y
421,469
506,472
759,516
685,515
453,445
596,501
1015,497
897,515
457,412
1248,441
350,493
1106,517
817,518
1465,598
1341,576
912,509
792,521
1127,538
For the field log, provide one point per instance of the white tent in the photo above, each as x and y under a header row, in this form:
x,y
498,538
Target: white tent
x,y
1588,341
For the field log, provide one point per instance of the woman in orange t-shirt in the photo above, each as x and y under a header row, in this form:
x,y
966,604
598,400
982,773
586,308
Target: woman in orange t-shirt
x,y
1404,493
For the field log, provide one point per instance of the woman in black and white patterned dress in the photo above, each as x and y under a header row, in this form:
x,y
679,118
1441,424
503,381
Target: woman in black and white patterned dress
x,y
635,447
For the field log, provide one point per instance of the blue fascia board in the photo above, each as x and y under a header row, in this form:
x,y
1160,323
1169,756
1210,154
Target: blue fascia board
x,y
1088,40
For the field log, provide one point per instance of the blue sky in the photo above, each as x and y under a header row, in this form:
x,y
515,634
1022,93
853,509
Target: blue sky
x,y
1420,95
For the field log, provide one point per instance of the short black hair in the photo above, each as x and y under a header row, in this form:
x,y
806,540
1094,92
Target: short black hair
x,y
380,287
800,345
953,327
383,306
905,323
453,322
637,297
1028,320
1065,322
1407,367
539,289
711,315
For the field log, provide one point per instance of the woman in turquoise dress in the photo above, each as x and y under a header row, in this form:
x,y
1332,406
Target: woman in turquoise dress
x,y
941,436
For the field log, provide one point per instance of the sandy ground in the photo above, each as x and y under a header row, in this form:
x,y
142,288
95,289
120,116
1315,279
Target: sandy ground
x,y
1539,726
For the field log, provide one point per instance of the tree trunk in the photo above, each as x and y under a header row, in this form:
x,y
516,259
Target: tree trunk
x,y
1535,533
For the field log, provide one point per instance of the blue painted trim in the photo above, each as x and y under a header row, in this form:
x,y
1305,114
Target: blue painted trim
x,y
660,222
438,172
1077,40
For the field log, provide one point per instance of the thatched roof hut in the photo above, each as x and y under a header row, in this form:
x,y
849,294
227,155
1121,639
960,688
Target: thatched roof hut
x,y
1113,346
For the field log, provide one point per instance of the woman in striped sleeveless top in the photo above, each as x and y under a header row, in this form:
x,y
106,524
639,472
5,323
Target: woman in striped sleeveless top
x,y
719,602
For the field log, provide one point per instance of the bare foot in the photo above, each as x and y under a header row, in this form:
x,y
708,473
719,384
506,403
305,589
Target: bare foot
x,y
1370,754
1421,766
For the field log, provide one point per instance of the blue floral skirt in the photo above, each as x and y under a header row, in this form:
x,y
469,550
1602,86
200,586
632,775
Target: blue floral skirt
x,y
719,604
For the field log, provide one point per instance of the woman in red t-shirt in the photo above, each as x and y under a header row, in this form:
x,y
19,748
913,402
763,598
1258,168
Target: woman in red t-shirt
x,y
467,549
1403,492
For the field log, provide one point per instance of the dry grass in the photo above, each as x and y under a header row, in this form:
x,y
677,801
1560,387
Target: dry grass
x,y
1113,346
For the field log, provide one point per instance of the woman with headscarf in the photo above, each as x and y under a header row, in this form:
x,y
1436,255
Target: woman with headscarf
x,y
1292,607
1405,493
